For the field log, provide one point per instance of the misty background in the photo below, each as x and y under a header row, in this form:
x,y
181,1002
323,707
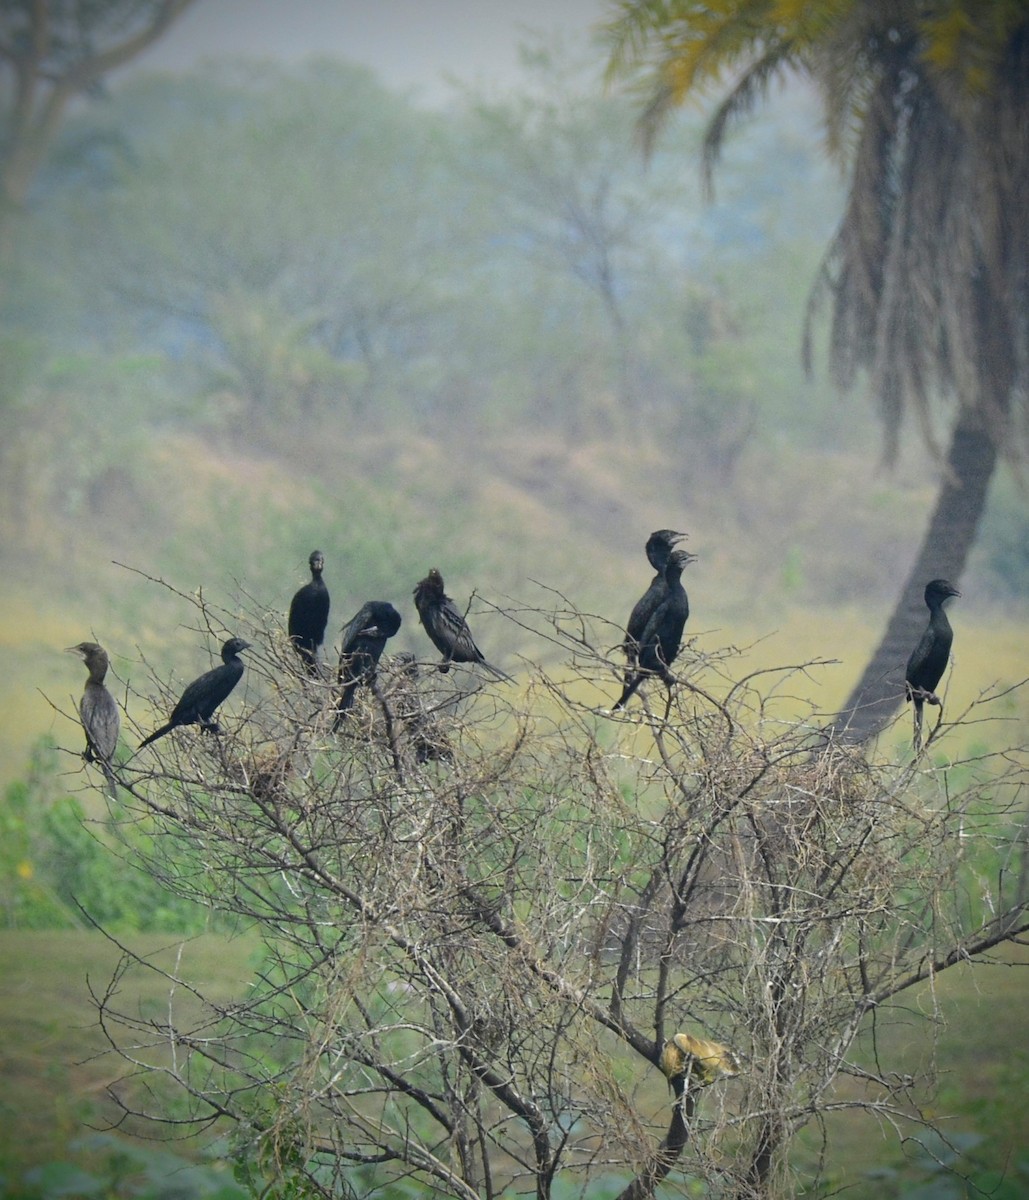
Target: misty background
x,y
393,280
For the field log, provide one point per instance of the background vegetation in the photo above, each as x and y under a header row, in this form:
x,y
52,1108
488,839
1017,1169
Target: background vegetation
x,y
487,338
255,310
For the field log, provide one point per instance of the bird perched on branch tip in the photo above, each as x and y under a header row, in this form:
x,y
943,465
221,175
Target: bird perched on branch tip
x,y
659,546
198,702
446,626
309,614
98,711
659,643
929,658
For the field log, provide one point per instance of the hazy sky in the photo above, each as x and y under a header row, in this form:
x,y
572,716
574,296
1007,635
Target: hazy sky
x,y
408,43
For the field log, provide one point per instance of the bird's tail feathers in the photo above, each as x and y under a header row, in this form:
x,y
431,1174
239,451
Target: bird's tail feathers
x,y
112,781
157,734
916,737
344,705
627,693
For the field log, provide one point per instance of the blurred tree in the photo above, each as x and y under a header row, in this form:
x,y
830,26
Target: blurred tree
x,y
307,247
308,201
566,205
564,198
927,105
49,54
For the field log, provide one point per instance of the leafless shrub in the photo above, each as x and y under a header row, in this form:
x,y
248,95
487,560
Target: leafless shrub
x,y
476,962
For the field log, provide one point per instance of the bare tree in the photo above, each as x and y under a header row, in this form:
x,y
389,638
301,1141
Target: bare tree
x,y
601,949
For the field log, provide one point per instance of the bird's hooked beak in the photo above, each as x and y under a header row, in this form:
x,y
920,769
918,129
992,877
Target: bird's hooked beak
x,y
74,650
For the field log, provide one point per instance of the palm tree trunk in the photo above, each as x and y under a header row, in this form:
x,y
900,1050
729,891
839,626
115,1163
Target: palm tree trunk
x,y
971,460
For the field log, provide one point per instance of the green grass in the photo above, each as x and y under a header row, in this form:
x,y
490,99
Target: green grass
x,y
54,1059
971,1028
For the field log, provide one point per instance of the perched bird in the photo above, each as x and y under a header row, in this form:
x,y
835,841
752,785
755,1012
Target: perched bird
x,y
446,627
659,642
198,702
929,658
98,711
364,638
659,546
700,1060
309,614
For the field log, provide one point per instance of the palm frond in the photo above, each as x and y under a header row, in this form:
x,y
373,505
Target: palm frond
x,y
750,89
925,105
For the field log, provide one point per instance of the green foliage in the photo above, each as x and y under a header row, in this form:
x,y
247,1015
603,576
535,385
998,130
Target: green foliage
x,y
57,864
117,1169
275,1165
955,1166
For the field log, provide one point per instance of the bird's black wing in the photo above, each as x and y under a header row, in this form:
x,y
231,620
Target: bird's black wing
x,y
915,672
351,631
658,644
458,635
197,703
449,633
641,613
308,617
357,668
203,695
364,639
320,614
100,721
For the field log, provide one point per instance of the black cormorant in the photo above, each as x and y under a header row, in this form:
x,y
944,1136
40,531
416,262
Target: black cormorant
x,y
660,640
364,638
446,626
659,545
929,658
309,614
98,711
200,699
